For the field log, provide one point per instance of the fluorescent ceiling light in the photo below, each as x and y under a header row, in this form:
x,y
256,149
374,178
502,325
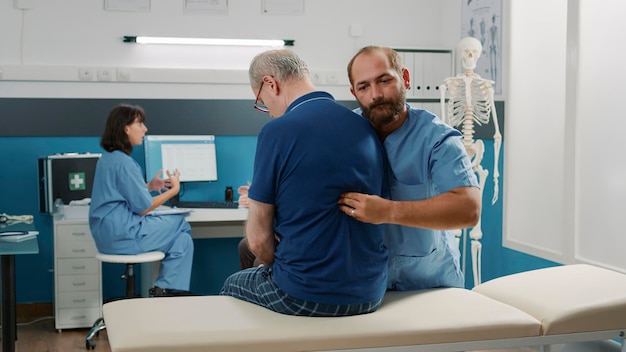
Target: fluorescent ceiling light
x,y
208,41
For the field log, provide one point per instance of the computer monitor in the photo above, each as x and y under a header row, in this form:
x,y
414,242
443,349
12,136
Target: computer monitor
x,y
193,156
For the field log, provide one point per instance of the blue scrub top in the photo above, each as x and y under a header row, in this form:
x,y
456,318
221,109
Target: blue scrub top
x,y
426,157
118,196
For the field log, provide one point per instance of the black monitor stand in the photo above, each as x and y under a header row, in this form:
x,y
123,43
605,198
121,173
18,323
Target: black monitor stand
x,y
174,201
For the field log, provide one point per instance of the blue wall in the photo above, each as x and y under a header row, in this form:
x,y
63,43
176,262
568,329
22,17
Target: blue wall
x,y
214,259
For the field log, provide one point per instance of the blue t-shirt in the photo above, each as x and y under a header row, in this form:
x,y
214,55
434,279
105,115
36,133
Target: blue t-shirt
x,y
304,161
118,196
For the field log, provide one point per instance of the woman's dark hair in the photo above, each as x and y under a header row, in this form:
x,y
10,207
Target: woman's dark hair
x,y
114,136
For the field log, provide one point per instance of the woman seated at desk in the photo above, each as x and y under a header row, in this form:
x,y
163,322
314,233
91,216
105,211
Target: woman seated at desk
x,y
120,201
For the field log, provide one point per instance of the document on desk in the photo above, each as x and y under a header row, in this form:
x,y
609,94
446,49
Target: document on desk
x,y
17,236
170,211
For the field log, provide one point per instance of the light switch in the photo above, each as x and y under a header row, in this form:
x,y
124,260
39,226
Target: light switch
x,y
23,4
356,30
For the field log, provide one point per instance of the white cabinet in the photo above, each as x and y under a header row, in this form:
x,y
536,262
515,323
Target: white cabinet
x,y
77,276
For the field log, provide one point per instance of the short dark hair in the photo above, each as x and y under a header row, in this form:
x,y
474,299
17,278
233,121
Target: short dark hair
x,y
395,61
114,136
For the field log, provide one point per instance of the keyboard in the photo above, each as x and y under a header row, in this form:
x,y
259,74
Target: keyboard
x,y
217,204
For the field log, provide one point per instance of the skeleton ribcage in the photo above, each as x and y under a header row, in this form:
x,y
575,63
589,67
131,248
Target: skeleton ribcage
x,y
468,105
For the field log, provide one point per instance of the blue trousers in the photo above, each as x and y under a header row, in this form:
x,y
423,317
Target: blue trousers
x,y
170,234
440,268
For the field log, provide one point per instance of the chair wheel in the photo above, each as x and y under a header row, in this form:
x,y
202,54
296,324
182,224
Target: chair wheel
x,y
90,345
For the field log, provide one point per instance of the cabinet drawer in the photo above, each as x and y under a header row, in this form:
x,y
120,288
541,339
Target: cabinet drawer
x,y
76,299
79,266
73,232
75,249
67,318
78,282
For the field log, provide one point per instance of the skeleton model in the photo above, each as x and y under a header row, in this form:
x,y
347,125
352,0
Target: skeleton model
x,y
472,101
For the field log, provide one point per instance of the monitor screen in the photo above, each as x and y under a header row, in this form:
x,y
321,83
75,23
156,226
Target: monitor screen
x,y
193,156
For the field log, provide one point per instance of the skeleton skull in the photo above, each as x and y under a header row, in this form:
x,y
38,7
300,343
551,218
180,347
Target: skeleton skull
x,y
469,48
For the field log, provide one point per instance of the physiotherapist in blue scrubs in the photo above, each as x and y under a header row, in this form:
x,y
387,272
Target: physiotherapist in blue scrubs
x,y
433,187
121,199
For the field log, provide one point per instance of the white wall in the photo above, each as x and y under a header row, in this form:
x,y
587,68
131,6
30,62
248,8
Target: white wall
x,y
53,39
564,174
535,112
600,127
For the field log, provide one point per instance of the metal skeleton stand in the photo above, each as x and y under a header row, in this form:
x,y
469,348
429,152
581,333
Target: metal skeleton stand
x,y
471,101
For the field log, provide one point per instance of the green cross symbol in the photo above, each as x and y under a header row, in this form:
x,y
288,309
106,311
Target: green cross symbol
x,y
77,181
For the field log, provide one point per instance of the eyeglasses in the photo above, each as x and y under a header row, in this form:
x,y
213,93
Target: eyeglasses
x,y
259,105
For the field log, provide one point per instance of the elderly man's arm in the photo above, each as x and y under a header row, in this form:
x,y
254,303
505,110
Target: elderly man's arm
x,y
260,231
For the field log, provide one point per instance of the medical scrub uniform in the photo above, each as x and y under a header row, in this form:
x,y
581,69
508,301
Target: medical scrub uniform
x,y
118,197
426,157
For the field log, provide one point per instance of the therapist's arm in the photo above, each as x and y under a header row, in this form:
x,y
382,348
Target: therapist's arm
x,y
455,209
260,231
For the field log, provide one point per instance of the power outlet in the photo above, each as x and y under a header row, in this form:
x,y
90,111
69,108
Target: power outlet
x,y
85,74
332,77
105,74
317,77
123,74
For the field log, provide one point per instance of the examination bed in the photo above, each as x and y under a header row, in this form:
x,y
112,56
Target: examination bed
x,y
562,304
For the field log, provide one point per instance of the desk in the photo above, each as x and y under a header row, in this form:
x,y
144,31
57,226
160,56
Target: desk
x,y
217,223
205,223
8,251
